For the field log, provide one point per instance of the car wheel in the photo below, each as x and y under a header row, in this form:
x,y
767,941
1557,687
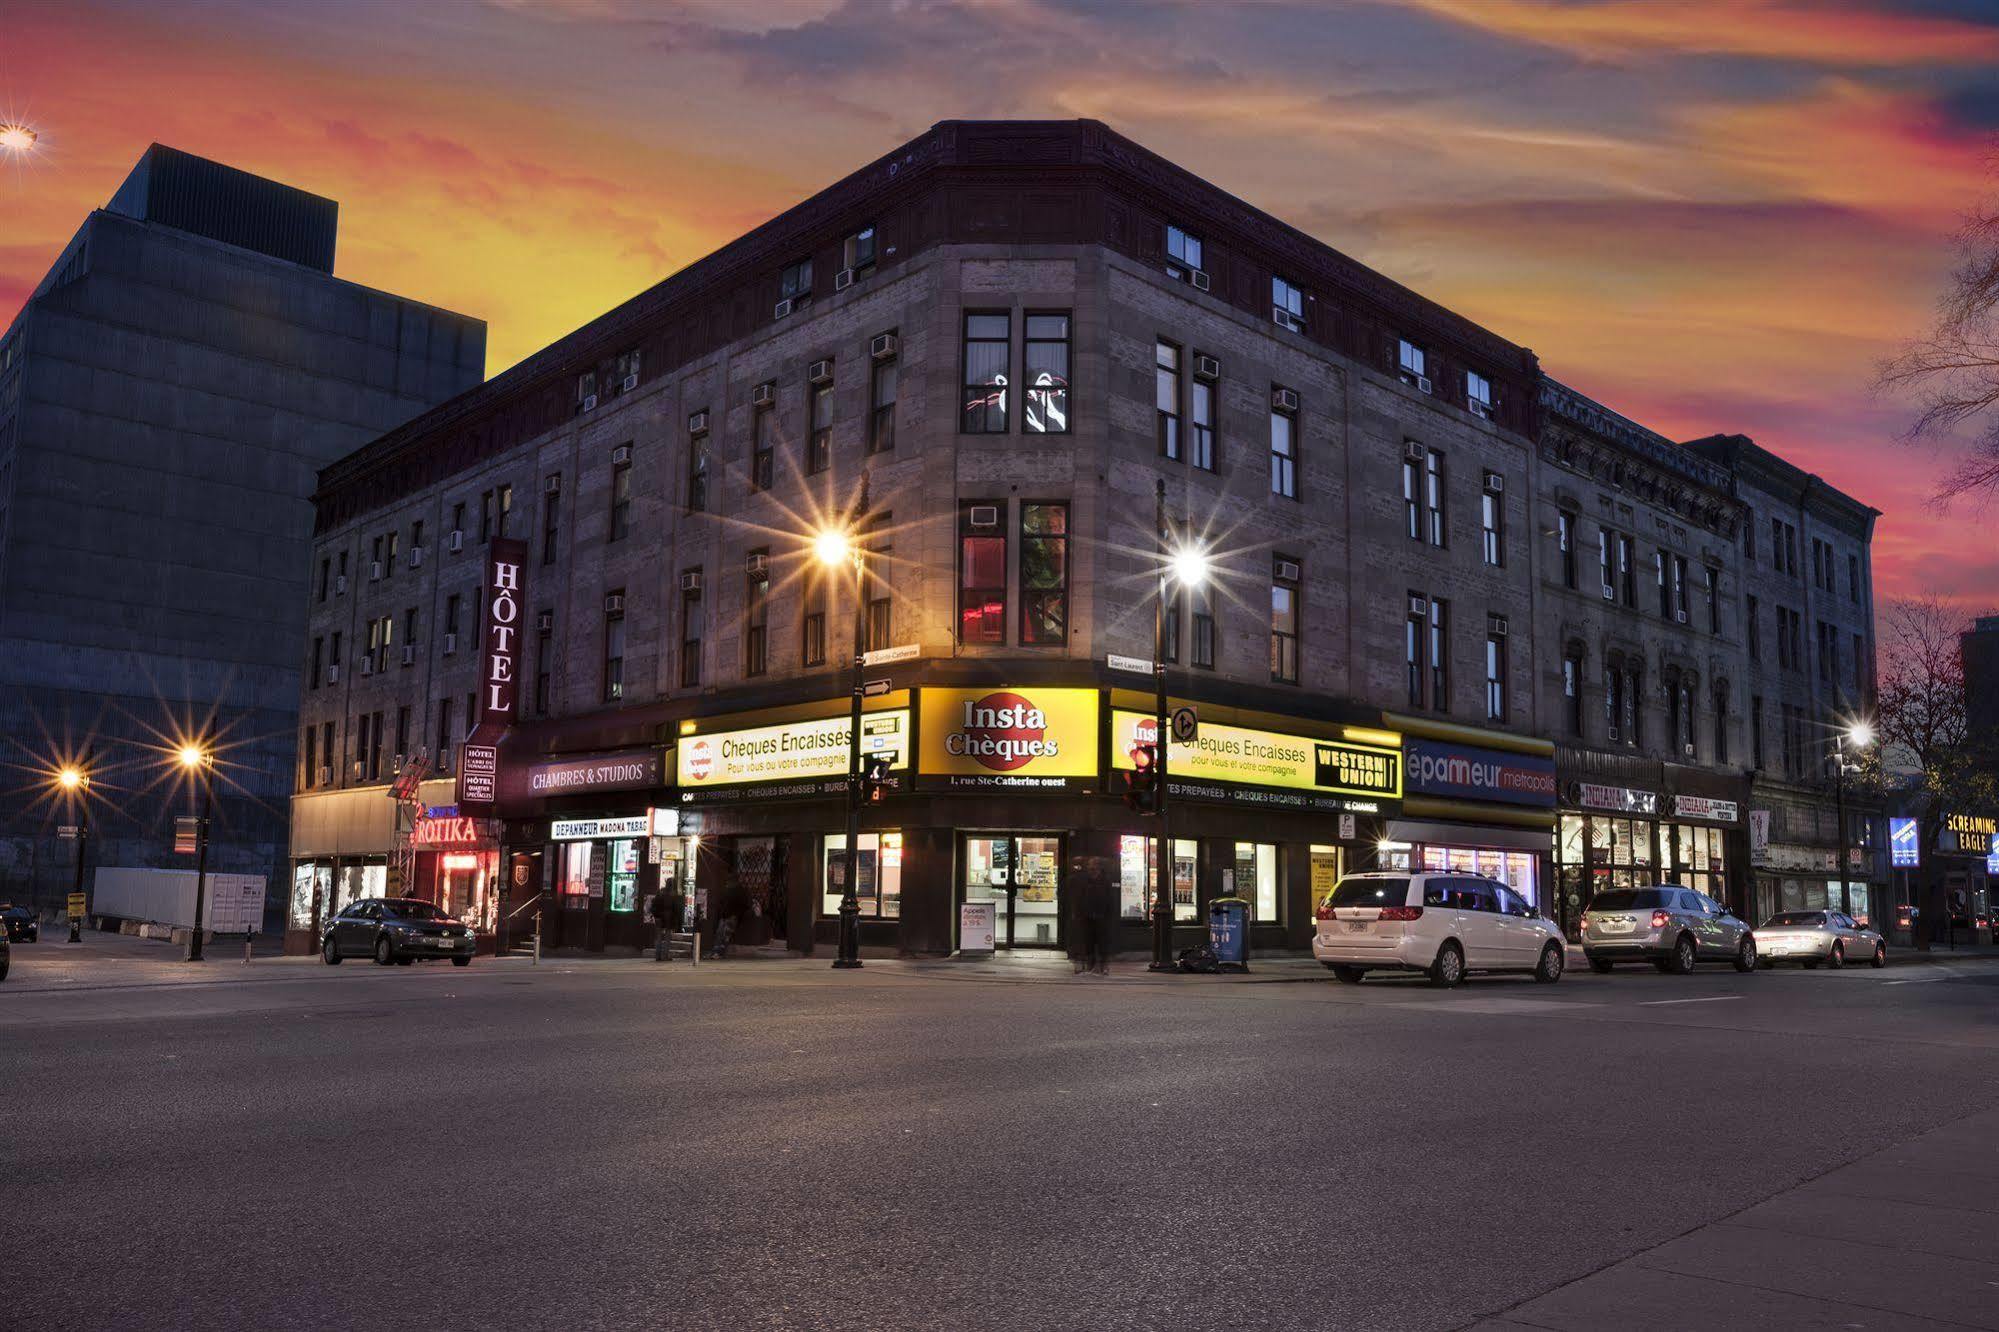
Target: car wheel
x,y
1553,959
1681,963
1880,955
328,951
1600,965
1745,954
1838,958
461,961
1449,968
385,952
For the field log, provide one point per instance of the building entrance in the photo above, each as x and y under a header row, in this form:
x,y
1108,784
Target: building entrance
x,y
1021,874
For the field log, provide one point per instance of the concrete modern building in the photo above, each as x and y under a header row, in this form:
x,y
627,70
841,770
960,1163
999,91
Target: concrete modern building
x,y
588,589
167,396
1980,651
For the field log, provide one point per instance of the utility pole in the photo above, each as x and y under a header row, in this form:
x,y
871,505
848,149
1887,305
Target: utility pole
x,y
1162,904
849,954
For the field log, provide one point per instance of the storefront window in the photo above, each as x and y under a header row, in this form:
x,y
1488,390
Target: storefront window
x,y
464,886
1325,872
354,882
1256,878
624,875
312,884
879,890
1515,869
573,873
1137,883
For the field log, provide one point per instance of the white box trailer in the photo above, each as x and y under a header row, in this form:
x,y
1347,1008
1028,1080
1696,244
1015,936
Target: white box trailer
x,y
233,903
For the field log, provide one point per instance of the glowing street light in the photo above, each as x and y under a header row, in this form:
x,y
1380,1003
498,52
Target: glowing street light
x,y
1859,735
1190,566
198,761
17,138
833,547
74,782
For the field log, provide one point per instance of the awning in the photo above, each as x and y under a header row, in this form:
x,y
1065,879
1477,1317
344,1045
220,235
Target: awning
x,y
1468,834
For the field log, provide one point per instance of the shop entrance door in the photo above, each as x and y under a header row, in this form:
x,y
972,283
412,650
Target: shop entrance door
x,y
1022,875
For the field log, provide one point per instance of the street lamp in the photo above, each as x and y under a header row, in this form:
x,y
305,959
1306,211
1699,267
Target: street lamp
x,y
1860,736
17,138
75,783
833,547
198,762
1189,566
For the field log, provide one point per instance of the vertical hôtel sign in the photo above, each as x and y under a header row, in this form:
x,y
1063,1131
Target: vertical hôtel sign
x,y
499,659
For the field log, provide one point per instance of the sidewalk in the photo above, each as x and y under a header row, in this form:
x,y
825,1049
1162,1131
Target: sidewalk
x,y
1906,1238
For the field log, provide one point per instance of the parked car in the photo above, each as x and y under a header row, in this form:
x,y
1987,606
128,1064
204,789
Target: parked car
x,y
1667,925
1812,937
396,930
1444,925
20,925
6,955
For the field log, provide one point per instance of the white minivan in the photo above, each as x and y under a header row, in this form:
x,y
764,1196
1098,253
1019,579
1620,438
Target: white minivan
x,y
1443,925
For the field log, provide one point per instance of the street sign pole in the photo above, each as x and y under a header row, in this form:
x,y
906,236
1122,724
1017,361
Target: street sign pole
x,y
201,862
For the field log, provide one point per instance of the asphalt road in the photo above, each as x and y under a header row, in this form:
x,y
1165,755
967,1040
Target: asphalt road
x,y
614,1144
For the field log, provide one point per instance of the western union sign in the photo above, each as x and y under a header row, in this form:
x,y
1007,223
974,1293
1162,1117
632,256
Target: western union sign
x,y
1268,767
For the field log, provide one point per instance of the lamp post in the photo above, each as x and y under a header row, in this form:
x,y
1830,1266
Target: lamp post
x,y
1189,566
833,547
17,138
76,781
197,761
1859,735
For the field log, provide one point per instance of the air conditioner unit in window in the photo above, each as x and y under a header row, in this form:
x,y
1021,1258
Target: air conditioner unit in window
x,y
1680,615
1496,625
409,654
360,769
614,604
454,542
1495,484
882,347
340,585
843,279
691,581
1284,399
333,674
589,403
1286,570
374,571
1412,451
552,484
325,777
1207,367
621,454
757,566
697,423
1285,319
628,383
1609,593
783,309
416,557
1199,279
450,644
1482,410
545,622
1419,605
1422,383
984,515
819,371
763,395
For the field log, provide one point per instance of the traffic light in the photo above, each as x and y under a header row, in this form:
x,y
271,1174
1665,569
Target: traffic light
x,y
1141,784
874,779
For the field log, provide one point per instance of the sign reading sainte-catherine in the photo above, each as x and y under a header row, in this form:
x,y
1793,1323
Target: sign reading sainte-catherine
x,y
1267,767
1029,738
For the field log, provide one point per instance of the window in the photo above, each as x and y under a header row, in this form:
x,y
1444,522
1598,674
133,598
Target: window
x,y
812,622
1439,652
389,567
1283,452
1634,714
1435,529
505,497
1201,410
1201,648
1828,646
693,624
409,624
1412,492
1679,566
443,733
819,436
697,467
375,558
1604,538
318,656
1853,579
881,406
756,614
1256,878
1721,724
1613,702
309,768
1166,396
1711,594
624,370
457,525
325,577
1170,631
763,447
981,573
1287,305
416,535
621,501
1478,394
1749,533
857,252
340,569
1572,690
1752,628
614,649
1183,254
1044,573
1284,618
988,338
450,614
1859,667
794,283
402,733
1627,570
1492,521
875,621
1412,363
544,661
1495,668
1565,545
879,885
551,518
1659,562
1045,356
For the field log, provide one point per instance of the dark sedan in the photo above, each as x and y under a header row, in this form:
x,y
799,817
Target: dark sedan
x,y
396,931
20,925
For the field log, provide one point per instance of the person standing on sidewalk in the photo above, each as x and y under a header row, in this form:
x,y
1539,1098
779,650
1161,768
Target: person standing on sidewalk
x,y
1099,908
665,910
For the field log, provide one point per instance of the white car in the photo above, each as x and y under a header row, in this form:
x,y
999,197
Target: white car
x,y
1812,937
1443,925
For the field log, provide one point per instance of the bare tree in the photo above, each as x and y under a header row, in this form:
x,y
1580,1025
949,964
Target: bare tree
x,y
1952,371
1926,733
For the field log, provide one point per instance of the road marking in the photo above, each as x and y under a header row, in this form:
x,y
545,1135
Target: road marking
x,y
1705,999
1927,980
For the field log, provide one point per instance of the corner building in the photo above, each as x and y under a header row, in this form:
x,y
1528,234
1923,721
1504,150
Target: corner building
x,y
1006,336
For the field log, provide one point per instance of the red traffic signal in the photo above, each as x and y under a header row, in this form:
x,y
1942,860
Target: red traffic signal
x,y
1141,784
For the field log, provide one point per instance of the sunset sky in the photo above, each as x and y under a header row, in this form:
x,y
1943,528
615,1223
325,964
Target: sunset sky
x,y
1714,215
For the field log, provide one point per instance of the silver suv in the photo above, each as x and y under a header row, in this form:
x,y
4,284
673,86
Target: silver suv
x,y
1669,926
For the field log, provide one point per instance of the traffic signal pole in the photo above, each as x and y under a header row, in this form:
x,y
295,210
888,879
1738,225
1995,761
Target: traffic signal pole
x,y
1162,903
849,954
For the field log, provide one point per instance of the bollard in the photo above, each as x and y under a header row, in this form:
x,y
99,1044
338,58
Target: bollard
x,y
247,940
537,947
695,956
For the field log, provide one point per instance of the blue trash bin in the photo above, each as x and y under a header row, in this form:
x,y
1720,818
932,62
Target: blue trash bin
x,y
1228,932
